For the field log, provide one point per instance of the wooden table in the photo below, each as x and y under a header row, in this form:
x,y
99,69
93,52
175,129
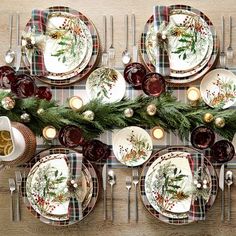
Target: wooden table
x,y
94,224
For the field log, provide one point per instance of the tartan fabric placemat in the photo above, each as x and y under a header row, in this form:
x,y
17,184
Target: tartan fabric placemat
x,y
86,164
161,19
38,24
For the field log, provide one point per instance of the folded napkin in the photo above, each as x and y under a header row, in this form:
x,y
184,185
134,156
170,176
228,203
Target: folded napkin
x,y
161,19
38,25
75,166
197,208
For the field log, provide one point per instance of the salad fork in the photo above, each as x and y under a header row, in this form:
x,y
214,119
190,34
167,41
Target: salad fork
x,y
111,50
12,187
222,53
135,182
18,183
128,186
104,53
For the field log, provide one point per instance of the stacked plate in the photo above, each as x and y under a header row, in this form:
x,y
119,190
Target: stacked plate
x,y
170,185
192,44
47,192
70,46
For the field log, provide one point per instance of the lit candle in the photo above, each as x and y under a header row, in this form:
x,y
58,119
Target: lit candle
x,y
193,94
158,132
49,132
75,103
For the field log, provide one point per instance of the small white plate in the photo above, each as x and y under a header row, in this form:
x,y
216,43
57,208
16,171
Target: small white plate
x,y
106,84
218,88
132,146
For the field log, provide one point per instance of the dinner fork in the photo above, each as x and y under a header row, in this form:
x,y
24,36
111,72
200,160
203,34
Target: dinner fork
x,y
18,183
135,182
111,50
104,53
12,187
222,53
128,186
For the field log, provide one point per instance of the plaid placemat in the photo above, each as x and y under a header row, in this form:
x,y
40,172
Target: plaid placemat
x,y
75,75
75,166
197,208
161,19
189,219
86,164
38,25
191,78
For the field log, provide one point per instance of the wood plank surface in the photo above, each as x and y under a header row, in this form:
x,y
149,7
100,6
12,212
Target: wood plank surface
x,y
94,224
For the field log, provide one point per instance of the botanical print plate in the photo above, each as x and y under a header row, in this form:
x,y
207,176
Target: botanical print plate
x,y
182,61
159,164
92,184
132,146
72,64
218,88
168,183
148,47
106,84
65,44
47,189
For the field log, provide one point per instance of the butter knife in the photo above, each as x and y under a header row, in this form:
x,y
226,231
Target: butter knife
x,y
18,47
221,185
104,182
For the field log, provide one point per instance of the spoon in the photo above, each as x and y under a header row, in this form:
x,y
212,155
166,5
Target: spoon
x,y
10,54
229,182
230,52
112,182
126,57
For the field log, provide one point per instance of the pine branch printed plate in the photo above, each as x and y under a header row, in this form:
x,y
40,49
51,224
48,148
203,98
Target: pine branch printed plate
x,y
132,146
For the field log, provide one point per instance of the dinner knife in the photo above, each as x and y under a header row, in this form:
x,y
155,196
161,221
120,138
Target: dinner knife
x,y
135,48
18,47
104,181
221,185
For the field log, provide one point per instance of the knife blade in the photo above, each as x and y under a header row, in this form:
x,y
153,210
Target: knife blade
x,y
18,47
221,186
104,182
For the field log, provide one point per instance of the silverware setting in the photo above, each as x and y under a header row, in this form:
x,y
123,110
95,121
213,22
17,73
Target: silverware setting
x,y
10,54
111,49
12,187
229,51
135,183
128,186
126,57
104,184
221,186
134,47
18,183
112,182
222,52
104,52
229,182
18,47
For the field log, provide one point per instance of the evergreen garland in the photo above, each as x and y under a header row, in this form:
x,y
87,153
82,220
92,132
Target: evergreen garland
x,y
171,115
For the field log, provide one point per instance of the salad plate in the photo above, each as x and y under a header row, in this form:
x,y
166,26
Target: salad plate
x,y
218,88
132,146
